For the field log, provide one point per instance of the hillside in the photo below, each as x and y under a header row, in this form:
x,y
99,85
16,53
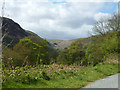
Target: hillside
x,y
12,28
13,32
61,44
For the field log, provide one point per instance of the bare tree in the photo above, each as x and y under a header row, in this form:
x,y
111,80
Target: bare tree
x,y
0,53
1,39
104,25
100,27
113,23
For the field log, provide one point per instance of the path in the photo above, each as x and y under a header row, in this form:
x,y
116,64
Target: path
x,y
109,82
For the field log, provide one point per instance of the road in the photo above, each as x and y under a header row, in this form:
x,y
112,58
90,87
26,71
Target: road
x,y
109,82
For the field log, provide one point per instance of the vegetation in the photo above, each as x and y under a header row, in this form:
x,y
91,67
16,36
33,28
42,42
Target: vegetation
x,y
72,55
99,48
26,53
56,76
32,63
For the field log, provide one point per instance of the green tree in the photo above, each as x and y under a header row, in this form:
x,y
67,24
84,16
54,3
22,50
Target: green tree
x,y
74,54
101,47
28,53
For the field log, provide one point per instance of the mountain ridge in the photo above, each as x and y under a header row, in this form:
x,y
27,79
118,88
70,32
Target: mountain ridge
x,y
15,32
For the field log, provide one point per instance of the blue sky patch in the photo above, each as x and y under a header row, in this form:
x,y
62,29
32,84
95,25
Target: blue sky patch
x,y
109,7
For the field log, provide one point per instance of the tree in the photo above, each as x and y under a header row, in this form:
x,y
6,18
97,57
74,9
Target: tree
x,y
32,52
26,52
52,55
104,26
63,57
1,39
11,58
72,55
106,42
113,23
99,27
94,53
101,47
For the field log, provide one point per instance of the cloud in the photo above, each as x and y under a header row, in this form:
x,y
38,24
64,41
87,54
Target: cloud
x,y
116,0
100,15
89,0
55,21
63,1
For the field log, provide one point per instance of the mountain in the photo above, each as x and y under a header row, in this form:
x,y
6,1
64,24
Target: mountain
x,y
13,29
13,32
61,44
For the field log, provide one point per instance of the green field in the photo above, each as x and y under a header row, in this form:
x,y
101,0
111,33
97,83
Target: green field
x,y
57,76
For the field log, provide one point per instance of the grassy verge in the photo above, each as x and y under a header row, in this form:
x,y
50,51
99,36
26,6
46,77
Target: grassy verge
x,y
57,76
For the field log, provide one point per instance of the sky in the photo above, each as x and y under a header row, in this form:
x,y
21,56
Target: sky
x,y
59,19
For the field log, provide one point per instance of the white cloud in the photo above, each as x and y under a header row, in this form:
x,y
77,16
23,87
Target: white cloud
x,y
116,0
59,21
89,0
100,15
64,0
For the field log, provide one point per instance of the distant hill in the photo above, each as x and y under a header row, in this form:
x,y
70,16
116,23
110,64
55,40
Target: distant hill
x,y
61,44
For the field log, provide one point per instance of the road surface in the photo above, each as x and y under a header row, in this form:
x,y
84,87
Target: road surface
x,y
109,82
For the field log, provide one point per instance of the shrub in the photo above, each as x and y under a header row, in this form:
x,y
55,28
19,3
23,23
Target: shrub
x,y
26,52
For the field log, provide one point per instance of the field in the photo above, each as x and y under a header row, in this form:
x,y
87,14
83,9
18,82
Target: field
x,y
57,76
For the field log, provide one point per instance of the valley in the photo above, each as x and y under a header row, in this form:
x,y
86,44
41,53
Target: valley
x,y
29,61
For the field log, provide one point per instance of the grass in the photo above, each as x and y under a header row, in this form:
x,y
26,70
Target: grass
x,y
66,77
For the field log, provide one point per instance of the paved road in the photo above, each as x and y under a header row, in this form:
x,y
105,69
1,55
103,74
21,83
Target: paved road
x,y
109,82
